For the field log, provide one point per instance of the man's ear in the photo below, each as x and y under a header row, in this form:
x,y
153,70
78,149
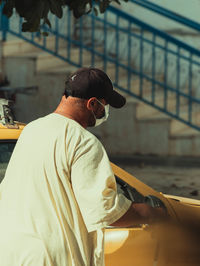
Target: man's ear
x,y
91,103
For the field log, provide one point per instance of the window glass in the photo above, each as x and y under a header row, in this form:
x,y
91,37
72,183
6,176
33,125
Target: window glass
x,y
6,149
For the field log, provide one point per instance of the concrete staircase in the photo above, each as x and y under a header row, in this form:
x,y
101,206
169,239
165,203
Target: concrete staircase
x,y
135,129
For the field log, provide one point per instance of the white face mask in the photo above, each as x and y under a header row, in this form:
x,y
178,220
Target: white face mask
x,y
99,121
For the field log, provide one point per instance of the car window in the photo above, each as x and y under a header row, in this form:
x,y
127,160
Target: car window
x,y
6,149
128,191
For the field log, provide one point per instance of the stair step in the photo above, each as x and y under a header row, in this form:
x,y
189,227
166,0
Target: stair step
x,y
145,111
62,68
178,127
49,63
190,132
18,46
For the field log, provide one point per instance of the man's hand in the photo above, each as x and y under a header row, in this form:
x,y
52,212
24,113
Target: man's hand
x,y
151,214
160,210
158,215
141,213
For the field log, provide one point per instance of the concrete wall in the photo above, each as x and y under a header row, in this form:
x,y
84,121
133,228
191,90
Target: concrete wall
x,y
124,134
29,105
189,9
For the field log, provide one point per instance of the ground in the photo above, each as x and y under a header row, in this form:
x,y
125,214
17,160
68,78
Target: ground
x,y
179,181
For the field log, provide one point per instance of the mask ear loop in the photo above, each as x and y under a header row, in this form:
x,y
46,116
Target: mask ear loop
x,y
101,104
99,121
106,108
107,111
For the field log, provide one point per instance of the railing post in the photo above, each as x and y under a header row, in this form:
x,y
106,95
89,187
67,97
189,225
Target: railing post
x,y
4,23
4,26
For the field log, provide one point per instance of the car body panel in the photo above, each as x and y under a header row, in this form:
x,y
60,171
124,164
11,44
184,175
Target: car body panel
x,y
173,243
129,246
11,131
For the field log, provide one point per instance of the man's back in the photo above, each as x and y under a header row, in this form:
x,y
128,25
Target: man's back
x,y
58,194
37,205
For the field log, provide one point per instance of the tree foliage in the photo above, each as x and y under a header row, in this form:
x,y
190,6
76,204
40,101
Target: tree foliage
x,y
35,12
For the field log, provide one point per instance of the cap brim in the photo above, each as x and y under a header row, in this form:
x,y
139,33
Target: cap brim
x,y
116,100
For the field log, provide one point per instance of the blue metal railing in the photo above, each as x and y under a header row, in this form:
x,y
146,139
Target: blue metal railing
x,y
142,61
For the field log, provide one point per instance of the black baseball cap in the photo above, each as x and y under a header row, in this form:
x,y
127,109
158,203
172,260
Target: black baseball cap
x,y
91,82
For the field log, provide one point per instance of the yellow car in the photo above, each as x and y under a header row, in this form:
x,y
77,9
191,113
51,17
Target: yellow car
x,y
173,243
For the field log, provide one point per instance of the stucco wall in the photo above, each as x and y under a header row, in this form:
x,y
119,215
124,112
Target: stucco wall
x,y
187,8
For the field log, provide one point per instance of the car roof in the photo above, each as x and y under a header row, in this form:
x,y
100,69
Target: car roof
x,y
9,129
8,132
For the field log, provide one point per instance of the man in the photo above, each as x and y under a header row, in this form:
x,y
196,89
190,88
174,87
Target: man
x,y
59,191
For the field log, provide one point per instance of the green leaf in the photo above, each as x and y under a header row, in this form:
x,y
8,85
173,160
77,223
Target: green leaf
x,y
56,8
103,5
45,10
8,8
25,26
95,11
47,21
45,34
32,25
33,11
118,2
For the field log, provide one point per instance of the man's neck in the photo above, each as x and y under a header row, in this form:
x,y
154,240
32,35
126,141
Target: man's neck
x,y
70,110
